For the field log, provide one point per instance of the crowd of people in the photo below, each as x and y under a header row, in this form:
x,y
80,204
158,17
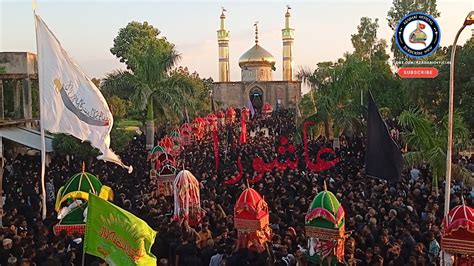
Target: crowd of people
x,y
389,223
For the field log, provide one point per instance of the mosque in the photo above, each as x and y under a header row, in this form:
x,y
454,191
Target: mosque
x,y
257,66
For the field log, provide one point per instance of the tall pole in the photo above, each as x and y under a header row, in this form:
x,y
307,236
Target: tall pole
x,y
447,192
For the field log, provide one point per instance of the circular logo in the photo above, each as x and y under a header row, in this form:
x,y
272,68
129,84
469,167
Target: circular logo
x,y
417,35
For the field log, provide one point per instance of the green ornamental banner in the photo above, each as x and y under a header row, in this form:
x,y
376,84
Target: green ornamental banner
x,y
117,236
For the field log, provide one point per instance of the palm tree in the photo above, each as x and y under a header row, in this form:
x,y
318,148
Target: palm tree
x,y
332,94
428,140
153,86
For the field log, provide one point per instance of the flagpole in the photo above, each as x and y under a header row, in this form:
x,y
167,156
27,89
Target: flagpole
x,y
43,142
83,254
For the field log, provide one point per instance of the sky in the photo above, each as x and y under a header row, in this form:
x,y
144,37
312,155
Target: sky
x,y
323,29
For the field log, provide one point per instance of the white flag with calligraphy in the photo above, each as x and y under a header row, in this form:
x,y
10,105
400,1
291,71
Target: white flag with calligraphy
x,y
71,103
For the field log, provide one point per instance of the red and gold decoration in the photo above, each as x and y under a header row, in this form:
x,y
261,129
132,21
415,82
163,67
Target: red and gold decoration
x,y
165,180
251,218
267,109
186,134
245,114
211,121
221,118
458,234
187,201
230,115
199,128
215,142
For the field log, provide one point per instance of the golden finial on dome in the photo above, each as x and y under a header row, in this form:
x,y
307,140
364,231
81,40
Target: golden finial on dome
x,y
256,31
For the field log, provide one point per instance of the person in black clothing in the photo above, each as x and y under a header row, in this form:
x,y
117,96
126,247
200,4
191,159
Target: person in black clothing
x,y
187,252
208,252
379,215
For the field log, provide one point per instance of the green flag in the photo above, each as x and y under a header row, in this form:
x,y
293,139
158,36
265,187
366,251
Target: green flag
x,y
117,236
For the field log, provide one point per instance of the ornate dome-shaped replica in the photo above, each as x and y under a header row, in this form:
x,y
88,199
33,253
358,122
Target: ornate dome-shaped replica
x,y
251,218
79,186
458,232
71,201
187,199
326,211
325,226
257,56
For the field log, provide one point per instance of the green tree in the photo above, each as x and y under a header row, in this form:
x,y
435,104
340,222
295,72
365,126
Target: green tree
x,y
96,82
69,145
427,142
401,8
464,82
431,95
134,36
153,83
118,106
120,83
365,39
333,86
381,81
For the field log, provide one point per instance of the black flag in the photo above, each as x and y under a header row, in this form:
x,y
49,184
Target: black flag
x,y
383,158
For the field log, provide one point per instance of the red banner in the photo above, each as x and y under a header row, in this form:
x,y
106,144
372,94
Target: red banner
x,y
320,165
235,179
243,131
215,138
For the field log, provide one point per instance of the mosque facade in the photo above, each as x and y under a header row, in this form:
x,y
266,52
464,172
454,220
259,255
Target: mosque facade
x,y
257,65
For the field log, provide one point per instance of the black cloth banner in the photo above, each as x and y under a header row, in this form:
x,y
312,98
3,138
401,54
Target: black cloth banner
x,y
383,158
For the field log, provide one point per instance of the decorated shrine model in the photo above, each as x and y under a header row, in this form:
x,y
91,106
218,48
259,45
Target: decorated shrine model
x,y
230,115
162,169
267,109
187,199
325,227
457,236
186,134
165,179
155,152
199,128
168,143
159,157
245,114
71,202
211,120
175,136
251,218
220,117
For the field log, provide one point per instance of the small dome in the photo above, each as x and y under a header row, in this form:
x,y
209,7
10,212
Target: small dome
x,y
325,211
257,55
158,149
83,181
250,205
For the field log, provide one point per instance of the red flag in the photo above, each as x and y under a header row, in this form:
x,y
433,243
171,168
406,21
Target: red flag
x,y
243,131
215,138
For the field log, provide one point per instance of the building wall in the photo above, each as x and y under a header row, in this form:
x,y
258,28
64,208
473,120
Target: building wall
x,y
256,73
236,94
18,62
